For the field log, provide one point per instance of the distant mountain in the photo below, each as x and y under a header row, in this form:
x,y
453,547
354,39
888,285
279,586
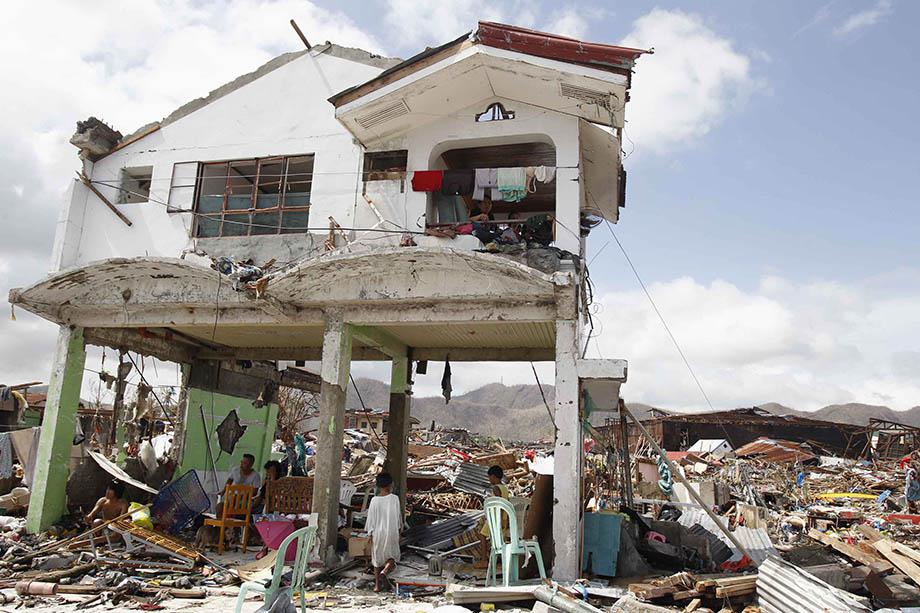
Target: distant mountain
x,y
851,413
510,412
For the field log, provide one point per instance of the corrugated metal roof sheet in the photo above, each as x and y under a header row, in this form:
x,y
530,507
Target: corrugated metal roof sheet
x,y
472,478
785,588
775,450
756,541
441,531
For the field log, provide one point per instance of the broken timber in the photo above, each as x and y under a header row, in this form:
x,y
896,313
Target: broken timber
x,y
85,180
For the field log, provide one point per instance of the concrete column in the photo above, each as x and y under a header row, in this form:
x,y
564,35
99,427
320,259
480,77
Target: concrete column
x,y
398,431
335,369
567,524
568,199
49,485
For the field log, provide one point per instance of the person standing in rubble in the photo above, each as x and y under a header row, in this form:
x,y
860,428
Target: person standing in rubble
x,y
496,478
912,483
384,521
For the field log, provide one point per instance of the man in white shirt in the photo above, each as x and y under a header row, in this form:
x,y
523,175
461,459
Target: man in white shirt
x,y
244,474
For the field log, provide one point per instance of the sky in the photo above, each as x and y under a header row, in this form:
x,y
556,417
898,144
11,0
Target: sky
x,y
772,206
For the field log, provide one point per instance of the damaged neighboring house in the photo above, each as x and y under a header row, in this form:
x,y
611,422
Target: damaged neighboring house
x,y
319,209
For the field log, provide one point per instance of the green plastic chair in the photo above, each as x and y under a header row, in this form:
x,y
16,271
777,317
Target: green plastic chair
x,y
509,552
305,538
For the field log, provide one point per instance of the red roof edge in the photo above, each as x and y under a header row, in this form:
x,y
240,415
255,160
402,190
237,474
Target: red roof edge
x,y
555,47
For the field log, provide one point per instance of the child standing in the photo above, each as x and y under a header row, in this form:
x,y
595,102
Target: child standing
x,y
384,520
496,478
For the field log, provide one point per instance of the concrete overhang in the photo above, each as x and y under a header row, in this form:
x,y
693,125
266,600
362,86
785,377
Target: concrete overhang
x,y
472,73
440,301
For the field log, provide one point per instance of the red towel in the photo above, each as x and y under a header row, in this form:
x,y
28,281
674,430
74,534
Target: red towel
x,y
427,180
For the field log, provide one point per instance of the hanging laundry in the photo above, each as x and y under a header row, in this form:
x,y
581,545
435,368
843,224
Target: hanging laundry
x,y
21,403
446,388
512,183
486,182
427,180
6,456
545,174
458,183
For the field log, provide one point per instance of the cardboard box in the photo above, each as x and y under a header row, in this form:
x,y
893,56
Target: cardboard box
x,y
359,546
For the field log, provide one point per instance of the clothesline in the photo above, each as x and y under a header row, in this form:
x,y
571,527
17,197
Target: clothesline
x,y
500,184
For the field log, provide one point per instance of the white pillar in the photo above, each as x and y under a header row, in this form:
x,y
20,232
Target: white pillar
x,y
335,370
568,210
567,521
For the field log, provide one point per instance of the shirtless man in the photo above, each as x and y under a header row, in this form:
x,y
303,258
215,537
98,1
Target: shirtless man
x,y
110,506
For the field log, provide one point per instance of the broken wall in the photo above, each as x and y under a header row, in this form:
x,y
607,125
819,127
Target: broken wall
x,y
206,411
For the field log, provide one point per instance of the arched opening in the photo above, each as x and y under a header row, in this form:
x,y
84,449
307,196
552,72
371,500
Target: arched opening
x,y
446,210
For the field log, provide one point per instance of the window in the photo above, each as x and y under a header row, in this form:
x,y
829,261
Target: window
x,y
385,165
135,185
364,424
254,197
494,112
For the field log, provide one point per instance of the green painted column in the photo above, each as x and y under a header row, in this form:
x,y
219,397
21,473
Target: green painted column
x,y
49,487
398,432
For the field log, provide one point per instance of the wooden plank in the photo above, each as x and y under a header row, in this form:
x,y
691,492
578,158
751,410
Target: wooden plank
x,y
871,534
85,180
693,605
904,550
902,562
854,553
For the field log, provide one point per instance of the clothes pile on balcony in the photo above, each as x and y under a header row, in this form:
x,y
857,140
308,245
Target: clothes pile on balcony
x,y
500,184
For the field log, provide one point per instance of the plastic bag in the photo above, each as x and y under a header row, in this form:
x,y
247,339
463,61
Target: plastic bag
x,y
140,515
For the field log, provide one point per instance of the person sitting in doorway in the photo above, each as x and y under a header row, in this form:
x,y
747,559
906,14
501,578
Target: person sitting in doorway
x,y
496,476
110,506
480,215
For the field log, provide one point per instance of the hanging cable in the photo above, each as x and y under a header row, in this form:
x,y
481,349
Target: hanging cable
x,y
543,396
664,323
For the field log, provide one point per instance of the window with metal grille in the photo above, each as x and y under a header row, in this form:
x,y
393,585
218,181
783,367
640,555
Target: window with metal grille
x,y
253,197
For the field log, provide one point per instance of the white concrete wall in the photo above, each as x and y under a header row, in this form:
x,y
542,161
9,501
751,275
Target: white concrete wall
x,y
284,112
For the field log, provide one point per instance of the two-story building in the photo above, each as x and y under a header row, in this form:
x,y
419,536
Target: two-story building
x,y
350,180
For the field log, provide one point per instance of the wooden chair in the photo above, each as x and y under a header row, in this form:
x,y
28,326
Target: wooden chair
x,y
289,495
237,503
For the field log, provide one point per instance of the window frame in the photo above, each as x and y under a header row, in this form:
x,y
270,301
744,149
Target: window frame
x,y
245,216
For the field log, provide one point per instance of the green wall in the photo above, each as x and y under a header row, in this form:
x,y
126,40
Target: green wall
x,y
260,431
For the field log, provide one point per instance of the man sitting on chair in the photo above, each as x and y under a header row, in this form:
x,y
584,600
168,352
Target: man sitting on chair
x,y
242,475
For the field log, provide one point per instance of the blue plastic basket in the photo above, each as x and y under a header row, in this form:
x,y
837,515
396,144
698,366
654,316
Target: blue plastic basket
x,y
179,503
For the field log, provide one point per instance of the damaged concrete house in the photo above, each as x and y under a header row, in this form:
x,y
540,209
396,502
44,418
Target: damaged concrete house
x,y
320,209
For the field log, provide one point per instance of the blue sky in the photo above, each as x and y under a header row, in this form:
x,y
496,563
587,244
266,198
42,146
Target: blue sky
x,y
772,198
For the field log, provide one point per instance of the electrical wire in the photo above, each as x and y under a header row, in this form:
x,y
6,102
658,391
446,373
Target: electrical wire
x,y
552,418
366,412
661,318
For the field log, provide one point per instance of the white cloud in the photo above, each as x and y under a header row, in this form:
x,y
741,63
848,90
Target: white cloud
x,y
569,22
864,19
686,88
413,24
805,345
128,63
